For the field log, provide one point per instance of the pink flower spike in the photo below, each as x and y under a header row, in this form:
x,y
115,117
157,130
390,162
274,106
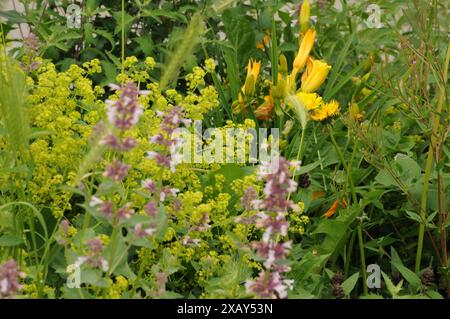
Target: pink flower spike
x,y
113,87
117,170
125,212
95,201
141,232
149,185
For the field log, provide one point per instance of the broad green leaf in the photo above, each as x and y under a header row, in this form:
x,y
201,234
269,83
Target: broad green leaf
x,y
408,168
409,275
385,179
336,230
433,294
13,16
349,284
10,240
393,289
128,20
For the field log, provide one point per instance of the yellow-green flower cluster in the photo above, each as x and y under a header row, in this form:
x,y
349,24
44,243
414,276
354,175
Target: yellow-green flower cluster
x,y
297,220
92,66
31,290
150,62
64,106
201,223
210,65
135,71
196,78
117,287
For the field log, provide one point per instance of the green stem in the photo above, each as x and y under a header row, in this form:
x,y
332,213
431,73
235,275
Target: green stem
x,y
423,207
320,161
123,35
114,234
299,155
363,259
348,257
429,163
359,227
346,167
124,253
39,278
300,148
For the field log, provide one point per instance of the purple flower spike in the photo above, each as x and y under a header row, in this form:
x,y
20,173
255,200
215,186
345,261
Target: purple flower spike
x,y
94,256
269,285
117,170
125,212
272,219
126,111
9,279
151,209
141,232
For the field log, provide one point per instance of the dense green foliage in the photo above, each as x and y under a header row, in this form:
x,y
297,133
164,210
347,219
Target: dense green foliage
x,y
368,119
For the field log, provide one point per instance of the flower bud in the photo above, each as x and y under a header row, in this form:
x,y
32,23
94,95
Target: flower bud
x,y
306,46
283,69
305,12
253,69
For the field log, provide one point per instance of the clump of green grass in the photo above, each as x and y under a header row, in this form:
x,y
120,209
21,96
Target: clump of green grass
x,y
13,110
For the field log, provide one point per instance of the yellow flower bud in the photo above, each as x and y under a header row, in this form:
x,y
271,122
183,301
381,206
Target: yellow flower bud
x,y
304,50
304,16
279,91
283,68
249,86
314,76
253,69
354,113
290,83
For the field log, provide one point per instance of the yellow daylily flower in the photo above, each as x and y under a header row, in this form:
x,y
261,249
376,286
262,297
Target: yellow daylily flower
x,y
332,108
248,89
304,50
319,114
325,111
314,76
309,100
